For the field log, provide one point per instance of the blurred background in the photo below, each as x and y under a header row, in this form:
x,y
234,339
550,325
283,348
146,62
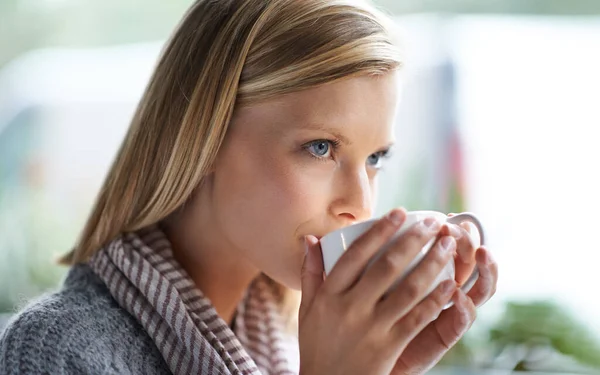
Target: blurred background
x,y
499,116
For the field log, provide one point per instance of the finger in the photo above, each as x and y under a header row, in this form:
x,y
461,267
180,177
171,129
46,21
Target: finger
x,y
464,248
352,263
312,274
443,333
453,323
465,253
417,284
407,328
395,261
485,287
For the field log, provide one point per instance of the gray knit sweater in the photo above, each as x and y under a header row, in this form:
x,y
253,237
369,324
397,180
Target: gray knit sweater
x,y
78,330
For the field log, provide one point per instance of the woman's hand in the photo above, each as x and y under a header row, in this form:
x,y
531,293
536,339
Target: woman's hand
x,y
429,346
440,335
464,259
348,324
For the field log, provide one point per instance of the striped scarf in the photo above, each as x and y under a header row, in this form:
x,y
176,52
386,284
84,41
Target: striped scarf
x,y
142,275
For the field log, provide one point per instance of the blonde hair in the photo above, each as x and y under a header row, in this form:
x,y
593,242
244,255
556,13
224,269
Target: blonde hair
x,y
223,54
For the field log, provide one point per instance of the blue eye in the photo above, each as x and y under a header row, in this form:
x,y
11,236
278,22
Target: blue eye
x,y
376,160
320,148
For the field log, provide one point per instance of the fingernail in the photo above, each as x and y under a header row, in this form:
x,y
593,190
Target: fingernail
x,y
312,240
431,224
396,217
308,242
448,243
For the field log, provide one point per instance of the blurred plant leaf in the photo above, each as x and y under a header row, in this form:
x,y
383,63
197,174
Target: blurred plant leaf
x,y
546,324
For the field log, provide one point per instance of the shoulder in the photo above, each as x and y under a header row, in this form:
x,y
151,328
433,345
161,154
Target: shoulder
x,y
79,329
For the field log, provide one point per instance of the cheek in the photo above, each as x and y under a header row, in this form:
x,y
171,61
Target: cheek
x,y
262,200
261,203
374,191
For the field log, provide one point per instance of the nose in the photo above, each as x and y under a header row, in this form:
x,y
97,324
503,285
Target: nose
x,y
353,197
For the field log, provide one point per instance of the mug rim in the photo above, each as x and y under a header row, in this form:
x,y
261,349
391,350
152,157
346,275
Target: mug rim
x,y
340,230
436,214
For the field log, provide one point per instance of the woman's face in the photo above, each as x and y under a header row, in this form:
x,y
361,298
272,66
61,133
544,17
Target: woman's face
x,y
303,163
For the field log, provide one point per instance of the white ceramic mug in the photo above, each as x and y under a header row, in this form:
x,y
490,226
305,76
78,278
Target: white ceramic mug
x,y
335,243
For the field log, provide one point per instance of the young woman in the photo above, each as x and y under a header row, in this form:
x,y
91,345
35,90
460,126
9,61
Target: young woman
x,y
263,128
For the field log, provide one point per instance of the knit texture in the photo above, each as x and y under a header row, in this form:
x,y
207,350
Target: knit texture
x,y
78,330
86,328
143,276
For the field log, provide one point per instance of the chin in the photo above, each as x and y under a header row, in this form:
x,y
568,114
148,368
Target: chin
x,y
297,285
290,280
287,270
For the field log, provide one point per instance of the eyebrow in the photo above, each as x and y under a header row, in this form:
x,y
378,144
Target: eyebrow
x,y
332,131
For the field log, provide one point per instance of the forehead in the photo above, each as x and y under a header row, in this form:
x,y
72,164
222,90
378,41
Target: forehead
x,y
363,101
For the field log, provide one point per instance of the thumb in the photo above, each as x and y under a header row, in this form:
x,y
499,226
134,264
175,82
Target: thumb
x,y
312,274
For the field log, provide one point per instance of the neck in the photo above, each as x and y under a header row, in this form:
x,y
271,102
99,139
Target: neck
x,y
216,268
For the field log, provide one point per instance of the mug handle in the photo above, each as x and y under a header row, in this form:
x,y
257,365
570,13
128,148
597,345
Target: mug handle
x,y
471,218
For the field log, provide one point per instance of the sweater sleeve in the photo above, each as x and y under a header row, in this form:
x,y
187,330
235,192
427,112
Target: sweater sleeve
x,y
23,345
83,337
37,342
78,330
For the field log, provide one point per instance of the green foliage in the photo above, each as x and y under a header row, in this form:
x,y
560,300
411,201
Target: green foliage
x,y
525,337
545,325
